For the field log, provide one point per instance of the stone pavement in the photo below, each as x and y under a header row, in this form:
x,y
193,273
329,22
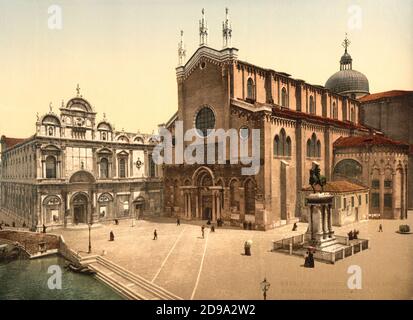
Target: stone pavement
x,y
215,268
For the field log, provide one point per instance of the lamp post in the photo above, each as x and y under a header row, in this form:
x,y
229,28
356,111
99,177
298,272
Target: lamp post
x,y
265,285
90,240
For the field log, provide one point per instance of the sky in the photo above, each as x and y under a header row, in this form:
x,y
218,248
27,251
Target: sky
x,y
123,54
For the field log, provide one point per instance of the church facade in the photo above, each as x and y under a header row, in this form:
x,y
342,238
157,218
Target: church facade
x,y
298,124
77,170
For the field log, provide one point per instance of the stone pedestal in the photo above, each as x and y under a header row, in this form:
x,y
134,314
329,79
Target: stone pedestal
x,y
320,232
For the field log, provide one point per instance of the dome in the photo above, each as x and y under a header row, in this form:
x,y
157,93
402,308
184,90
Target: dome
x,y
346,59
348,81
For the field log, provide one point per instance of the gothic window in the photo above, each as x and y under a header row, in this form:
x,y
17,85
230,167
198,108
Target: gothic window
x,y
313,147
282,145
276,145
312,105
104,168
288,147
250,89
284,100
122,168
50,167
309,148
205,120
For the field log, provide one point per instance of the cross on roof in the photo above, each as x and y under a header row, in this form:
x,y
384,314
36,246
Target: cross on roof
x,y
78,90
346,43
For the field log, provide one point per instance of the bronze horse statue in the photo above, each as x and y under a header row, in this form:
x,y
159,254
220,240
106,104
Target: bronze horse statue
x,y
316,178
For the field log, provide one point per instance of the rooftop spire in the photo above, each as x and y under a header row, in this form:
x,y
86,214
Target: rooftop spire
x,y
346,43
226,30
203,30
78,90
181,50
346,62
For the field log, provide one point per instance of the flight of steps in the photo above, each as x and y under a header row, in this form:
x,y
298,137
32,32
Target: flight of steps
x,y
127,284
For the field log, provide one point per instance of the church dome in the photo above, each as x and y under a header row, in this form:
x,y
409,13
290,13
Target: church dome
x,y
348,81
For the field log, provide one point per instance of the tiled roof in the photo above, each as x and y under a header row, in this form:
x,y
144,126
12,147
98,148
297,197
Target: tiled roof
x,y
376,140
338,186
11,142
317,119
296,115
386,94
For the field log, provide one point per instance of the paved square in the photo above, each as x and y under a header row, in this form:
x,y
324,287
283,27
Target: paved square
x,y
215,267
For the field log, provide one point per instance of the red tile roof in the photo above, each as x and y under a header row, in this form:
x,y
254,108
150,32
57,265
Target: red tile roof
x,y
386,94
317,119
11,142
338,186
357,141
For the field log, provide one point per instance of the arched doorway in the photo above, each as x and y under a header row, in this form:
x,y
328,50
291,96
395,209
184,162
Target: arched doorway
x,y
138,207
203,179
80,208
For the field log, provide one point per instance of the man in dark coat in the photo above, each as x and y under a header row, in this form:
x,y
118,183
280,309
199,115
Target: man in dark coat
x,y
111,236
155,235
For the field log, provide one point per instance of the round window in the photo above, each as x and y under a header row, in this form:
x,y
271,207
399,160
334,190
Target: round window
x,y
205,120
244,133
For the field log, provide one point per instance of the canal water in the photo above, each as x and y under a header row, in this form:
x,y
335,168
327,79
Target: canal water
x,y
28,280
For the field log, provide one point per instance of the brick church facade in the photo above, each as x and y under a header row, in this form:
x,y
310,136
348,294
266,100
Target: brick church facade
x,y
298,123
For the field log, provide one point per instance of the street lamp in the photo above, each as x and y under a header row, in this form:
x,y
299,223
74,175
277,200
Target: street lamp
x,y
90,240
265,285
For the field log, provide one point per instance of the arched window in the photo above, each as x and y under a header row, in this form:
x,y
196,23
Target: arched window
x,y
308,148
122,168
104,168
282,144
288,147
284,97
104,136
50,167
313,147
318,149
276,145
312,105
250,89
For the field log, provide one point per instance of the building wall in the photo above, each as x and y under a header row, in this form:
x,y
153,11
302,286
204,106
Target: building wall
x,y
381,164
393,116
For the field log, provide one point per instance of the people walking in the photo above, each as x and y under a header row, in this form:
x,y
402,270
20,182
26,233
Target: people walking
x,y
178,222
380,228
111,236
44,228
155,235
295,227
212,228
203,231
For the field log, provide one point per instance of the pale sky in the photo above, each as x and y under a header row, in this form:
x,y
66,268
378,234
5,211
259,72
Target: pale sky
x,y
124,53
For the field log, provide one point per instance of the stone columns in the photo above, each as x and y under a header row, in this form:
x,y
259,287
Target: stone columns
x,y
319,228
